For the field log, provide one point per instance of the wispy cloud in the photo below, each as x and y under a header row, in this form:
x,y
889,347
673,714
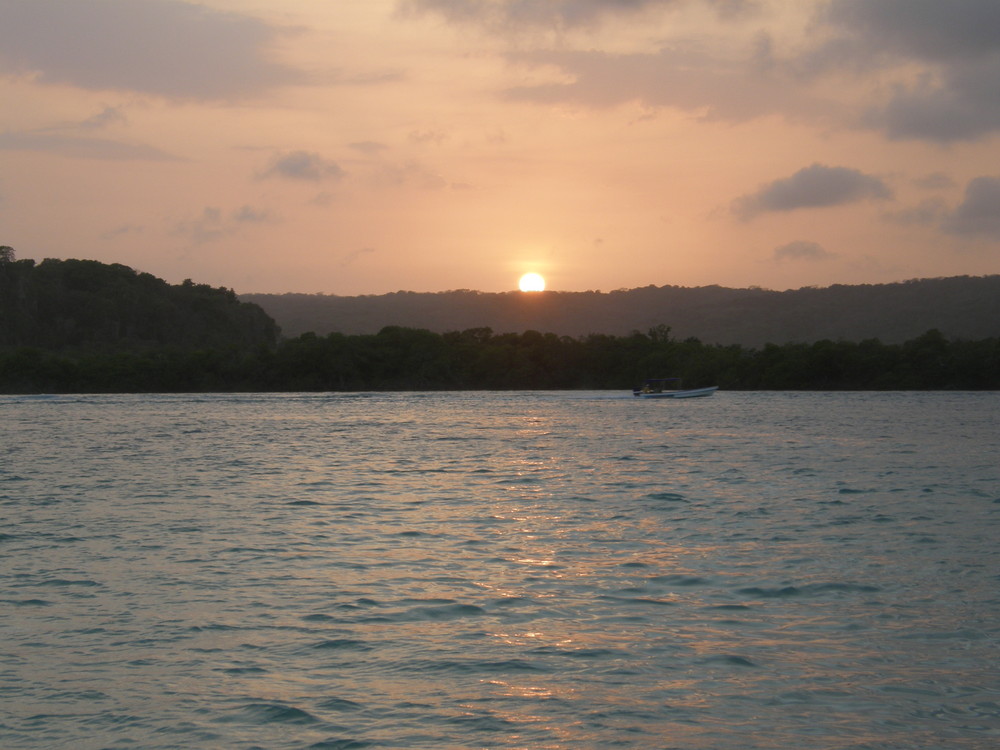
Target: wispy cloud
x,y
934,181
251,215
352,257
103,119
368,148
411,173
123,230
936,62
927,213
212,224
433,137
517,14
77,139
801,250
206,227
712,84
81,147
513,15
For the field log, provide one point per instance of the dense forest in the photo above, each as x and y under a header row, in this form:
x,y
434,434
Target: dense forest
x,y
87,306
965,307
85,327
414,359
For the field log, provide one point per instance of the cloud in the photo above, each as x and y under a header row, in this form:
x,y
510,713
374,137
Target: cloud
x,y
965,105
801,250
922,29
514,15
167,48
350,258
251,215
733,86
816,186
207,227
921,69
80,147
212,225
76,140
434,137
123,231
303,165
934,181
979,213
105,118
956,48
412,174
728,72
928,212
368,148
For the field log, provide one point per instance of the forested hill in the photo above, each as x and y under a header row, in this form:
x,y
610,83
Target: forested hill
x,y
85,305
961,307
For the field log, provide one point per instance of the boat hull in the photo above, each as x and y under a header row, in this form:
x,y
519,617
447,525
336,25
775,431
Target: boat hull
x,y
690,393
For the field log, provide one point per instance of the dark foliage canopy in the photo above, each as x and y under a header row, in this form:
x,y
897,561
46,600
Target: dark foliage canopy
x,y
87,306
477,359
83,326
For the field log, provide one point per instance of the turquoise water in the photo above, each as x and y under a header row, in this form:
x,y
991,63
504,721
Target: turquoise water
x,y
514,570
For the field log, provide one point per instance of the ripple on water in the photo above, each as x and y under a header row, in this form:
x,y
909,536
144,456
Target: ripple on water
x,y
342,644
340,743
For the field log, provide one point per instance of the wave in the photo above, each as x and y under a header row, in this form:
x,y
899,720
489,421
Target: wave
x,y
271,713
806,590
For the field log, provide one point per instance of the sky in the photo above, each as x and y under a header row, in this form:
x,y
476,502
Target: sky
x,y
369,146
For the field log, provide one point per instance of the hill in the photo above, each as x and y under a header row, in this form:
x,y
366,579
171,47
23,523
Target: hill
x,y
84,305
963,307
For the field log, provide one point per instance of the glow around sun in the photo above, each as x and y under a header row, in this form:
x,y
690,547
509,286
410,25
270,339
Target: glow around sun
x,y
531,282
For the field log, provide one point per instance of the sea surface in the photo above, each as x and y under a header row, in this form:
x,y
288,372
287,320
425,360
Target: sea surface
x,y
500,570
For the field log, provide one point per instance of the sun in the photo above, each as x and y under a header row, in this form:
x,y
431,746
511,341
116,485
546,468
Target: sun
x,y
531,282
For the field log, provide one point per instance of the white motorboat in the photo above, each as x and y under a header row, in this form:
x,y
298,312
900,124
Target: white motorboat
x,y
670,388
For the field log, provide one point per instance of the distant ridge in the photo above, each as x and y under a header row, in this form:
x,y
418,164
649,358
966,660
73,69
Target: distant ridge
x,y
961,307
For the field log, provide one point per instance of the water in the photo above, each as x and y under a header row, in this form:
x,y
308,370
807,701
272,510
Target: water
x,y
516,570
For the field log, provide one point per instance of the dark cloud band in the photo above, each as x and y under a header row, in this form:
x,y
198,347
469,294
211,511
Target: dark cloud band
x,y
161,47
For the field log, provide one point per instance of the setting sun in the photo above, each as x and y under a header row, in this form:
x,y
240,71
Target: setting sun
x,y
531,282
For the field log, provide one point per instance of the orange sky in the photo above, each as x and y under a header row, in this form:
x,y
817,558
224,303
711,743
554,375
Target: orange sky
x,y
425,145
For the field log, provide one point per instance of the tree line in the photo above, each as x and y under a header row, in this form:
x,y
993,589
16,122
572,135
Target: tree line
x,y
84,305
398,358
965,307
